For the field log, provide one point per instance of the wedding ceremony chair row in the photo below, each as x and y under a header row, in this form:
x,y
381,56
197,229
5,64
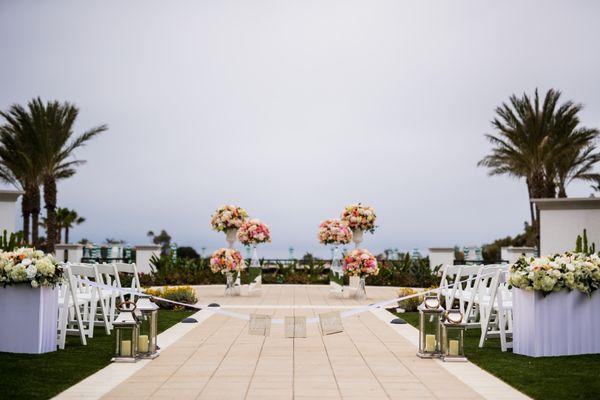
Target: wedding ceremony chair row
x,y
484,299
496,310
95,306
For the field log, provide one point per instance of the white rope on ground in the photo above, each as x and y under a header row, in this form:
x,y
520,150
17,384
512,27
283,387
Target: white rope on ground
x,y
280,321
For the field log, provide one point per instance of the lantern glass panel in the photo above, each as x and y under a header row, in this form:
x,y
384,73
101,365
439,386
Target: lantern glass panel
x,y
148,332
126,341
429,332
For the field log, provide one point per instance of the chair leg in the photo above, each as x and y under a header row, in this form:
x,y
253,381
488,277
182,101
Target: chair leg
x,y
104,313
485,322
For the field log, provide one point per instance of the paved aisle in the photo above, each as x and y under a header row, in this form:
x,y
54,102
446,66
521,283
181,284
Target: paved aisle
x,y
219,360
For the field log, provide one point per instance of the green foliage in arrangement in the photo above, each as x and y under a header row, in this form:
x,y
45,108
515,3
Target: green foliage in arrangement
x,y
403,272
9,242
582,245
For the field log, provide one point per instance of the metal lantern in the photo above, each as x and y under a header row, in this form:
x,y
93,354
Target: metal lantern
x,y
148,327
430,314
453,336
126,333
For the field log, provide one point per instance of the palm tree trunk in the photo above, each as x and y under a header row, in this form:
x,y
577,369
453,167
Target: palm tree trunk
x,y
26,211
35,215
50,205
66,234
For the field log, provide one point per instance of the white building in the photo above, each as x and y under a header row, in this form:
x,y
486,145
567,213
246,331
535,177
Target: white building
x,y
561,220
8,209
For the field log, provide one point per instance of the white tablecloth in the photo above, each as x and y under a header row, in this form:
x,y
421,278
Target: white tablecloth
x,y
28,319
561,323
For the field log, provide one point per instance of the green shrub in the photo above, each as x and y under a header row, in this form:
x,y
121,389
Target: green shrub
x,y
405,272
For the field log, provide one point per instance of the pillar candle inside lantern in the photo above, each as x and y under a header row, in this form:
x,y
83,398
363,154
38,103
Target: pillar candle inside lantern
x,y
430,343
126,348
453,348
143,343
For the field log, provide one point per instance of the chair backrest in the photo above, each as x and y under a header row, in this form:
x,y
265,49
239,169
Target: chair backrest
x,y
130,269
109,275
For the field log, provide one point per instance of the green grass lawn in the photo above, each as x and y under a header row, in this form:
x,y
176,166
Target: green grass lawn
x,y
572,377
42,376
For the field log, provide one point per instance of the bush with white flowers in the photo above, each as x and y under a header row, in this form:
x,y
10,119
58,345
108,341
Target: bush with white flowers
x,y
572,271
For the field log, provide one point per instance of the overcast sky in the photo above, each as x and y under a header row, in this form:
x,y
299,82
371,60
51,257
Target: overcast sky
x,y
294,109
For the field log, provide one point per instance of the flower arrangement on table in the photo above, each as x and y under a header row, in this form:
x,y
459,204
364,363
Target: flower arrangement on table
x,y
253,232
226,261
359,217
334,231
228,217
573,271
27,265
360,262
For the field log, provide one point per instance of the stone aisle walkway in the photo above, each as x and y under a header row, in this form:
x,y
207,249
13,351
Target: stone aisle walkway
x,y
219,359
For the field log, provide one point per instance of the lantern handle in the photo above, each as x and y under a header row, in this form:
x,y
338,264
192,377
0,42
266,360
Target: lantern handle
x,y
452,320
122,306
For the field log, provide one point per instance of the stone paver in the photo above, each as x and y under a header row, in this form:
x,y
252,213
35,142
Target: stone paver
x,y
219,359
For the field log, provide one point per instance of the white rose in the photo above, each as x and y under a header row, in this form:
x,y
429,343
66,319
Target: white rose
x,y
31,271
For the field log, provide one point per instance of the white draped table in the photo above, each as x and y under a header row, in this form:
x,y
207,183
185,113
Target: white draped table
x,y
28,319
561,323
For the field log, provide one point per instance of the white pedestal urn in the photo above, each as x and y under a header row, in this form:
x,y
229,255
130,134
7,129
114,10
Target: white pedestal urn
x,y
357,237
230,235
28,319
558,324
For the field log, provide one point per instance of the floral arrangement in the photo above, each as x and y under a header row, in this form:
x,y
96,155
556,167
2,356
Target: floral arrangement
x,y
573,271
359,217
226,260
228,217
334,231
253,231
360,262
27,265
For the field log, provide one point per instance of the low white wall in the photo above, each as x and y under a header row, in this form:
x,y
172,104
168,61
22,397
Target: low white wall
x,y
8,209
561,220
441,256
74,252
512,254
143,253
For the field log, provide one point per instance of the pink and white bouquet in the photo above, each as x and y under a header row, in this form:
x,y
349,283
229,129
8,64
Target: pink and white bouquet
x,y
253,231
359,217
226,260
228,217
334,231
360,262
27,265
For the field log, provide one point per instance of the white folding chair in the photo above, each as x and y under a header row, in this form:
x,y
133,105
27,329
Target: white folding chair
x,y
69,310
88,273
496,310
109,276
131,269
446,282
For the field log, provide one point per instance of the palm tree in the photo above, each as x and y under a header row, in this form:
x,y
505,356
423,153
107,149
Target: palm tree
x,y
67,219
18,165
540,141
596,186
53,136
575,152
